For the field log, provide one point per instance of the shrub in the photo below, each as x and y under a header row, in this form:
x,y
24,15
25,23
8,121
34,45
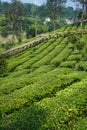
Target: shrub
x,y
72,38
63,111
9,44
3,65
75,39
81,124
4,33
76,51
70,64
61,56
82,65
77,57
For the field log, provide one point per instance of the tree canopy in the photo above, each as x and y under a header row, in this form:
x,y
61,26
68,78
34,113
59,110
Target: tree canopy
x,y
56,8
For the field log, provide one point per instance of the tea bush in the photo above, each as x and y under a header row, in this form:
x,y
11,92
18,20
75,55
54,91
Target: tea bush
x,y
46,85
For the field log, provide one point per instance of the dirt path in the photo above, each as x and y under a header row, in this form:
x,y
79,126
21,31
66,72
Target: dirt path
x,y
41,38
26,45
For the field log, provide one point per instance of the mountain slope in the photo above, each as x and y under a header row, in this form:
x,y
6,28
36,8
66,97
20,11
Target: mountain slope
x,y
46,86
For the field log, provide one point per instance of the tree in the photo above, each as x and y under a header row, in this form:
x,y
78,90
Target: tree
x,y
55,7
3,6
0,6
14,18
69,13
42,11
34,13
83,3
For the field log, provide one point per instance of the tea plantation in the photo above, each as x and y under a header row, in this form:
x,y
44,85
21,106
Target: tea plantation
x,y
45,87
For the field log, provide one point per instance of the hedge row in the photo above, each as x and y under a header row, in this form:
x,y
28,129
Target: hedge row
x,y
65,111
61,56
45,87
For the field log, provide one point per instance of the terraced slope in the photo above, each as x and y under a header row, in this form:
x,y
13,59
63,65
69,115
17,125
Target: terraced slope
x,y
75,26
46,87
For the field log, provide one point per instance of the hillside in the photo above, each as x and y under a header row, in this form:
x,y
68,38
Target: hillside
x,y
46,85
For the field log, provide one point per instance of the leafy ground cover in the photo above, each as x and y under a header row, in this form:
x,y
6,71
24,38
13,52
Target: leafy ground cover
x,y
45,87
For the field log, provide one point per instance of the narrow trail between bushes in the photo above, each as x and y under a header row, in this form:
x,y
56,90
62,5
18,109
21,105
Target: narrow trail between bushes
x,y
41,38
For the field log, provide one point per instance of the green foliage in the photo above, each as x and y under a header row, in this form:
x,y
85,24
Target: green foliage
x,y
73,38
70,64
82,65
59,112
46,87
47,58
62,56
79,44
77,57
81,124
3,65
30,32
76,51
36,91
70,13
53,7
9,44
4,33
13,21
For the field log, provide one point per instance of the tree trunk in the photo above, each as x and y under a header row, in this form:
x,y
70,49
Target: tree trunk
x,y
83,4
86,9
36,27
54,24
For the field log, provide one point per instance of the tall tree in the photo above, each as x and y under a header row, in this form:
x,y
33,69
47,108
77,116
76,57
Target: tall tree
x,y
82,2
0,6
14,16
55,7
70,13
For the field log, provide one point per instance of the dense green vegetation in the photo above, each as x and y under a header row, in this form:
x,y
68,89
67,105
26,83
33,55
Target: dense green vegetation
x,y
3,65
46,86
20,21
